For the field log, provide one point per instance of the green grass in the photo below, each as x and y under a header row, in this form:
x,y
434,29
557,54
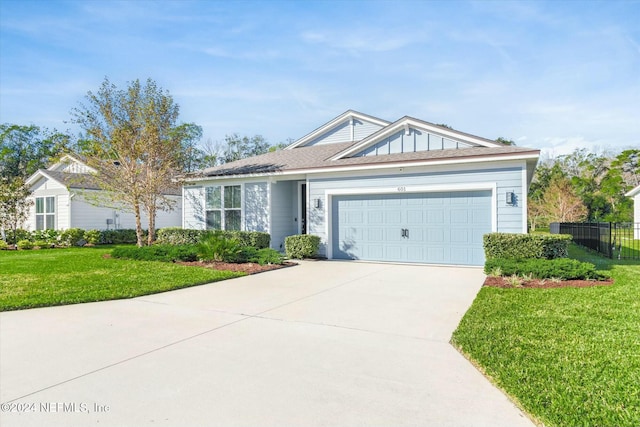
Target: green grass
x,y
44,278
569,357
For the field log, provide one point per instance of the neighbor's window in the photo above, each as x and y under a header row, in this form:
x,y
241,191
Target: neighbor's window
x,y
223,207
45,213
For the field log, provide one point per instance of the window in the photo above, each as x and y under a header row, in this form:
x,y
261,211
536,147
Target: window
x,y
227,215
232,207
45,213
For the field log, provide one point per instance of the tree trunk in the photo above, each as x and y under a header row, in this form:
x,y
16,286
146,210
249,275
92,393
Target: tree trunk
x,y
151,212
136,211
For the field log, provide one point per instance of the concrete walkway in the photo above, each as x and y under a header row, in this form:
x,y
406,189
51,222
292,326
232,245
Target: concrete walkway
x,y
319,344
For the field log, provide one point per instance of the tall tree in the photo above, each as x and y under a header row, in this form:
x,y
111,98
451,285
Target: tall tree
x,y
237,147
132,138
23,150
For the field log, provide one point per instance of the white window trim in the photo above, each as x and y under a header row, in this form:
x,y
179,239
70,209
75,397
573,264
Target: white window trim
x,y
222,208
438,188
45,213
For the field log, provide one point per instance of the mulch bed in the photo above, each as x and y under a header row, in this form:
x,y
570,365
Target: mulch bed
x,y
502,282
247,267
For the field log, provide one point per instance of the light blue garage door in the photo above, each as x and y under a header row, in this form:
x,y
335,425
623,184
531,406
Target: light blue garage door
x,y
438,228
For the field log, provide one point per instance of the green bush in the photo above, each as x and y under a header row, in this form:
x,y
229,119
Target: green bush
x,y
167,253
180,236
42,244
268,256
560,268
92,236
20,234
3,244
24,244
511,245
215,247
119,236
72,237
49,236
302,246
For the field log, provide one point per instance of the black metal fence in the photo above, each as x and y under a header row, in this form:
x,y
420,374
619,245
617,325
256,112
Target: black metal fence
x,y
619,240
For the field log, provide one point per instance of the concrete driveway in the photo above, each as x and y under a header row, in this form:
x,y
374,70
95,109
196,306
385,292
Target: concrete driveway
x,y
319,344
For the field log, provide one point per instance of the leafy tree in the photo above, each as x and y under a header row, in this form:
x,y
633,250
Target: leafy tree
x,y
560,203
506,141
23,150
191,157
237,147
132,138
14,205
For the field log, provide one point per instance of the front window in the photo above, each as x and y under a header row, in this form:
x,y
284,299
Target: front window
x,y
45,213
223,207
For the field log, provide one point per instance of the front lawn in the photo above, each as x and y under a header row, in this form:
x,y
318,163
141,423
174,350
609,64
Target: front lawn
x,y
568,356
50,277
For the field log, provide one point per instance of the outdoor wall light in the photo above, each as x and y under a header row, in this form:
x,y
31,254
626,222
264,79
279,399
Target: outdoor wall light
x,y
317,203
511,198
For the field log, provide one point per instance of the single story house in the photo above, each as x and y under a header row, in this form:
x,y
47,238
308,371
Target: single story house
x,y
403,191
635,195
66,196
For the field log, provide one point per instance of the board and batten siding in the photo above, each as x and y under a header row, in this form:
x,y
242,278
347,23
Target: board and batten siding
x,y
507,178
256,201
282,218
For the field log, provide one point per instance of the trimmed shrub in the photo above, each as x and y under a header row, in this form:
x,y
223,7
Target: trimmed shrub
x,y
119,236
519,246
167,253
72,237
180,236
215,247
24,244
3,244
560,268
92,236
302,246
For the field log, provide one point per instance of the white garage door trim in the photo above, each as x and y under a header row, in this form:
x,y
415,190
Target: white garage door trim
x,y
478,186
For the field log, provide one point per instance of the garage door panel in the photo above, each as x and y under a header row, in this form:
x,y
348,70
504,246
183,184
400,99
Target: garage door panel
x,y
444,227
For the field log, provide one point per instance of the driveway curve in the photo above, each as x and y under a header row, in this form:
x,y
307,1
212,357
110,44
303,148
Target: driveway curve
x,y
324,343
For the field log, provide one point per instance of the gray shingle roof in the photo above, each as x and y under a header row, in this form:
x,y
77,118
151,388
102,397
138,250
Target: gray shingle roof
x,y
85,181
314,157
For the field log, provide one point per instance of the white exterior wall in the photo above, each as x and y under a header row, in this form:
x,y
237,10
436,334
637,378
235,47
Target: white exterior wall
x,y
47,188
636,215
86,215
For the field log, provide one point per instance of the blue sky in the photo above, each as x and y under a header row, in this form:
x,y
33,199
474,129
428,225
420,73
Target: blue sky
x,y
550,75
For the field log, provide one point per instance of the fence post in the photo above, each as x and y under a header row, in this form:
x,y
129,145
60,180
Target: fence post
x,y
611,246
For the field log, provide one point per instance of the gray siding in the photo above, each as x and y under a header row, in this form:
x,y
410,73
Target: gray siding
x,y
363,129
193,205
282,218
417,140
256,216
509,218
342,132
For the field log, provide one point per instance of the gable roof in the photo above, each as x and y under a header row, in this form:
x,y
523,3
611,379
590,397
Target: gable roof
x,y
633,192
70,158
342,118
319,158
407,122
79,181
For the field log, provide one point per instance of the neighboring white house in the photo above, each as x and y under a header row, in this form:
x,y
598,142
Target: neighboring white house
x,y
65,196
407,191
635,195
